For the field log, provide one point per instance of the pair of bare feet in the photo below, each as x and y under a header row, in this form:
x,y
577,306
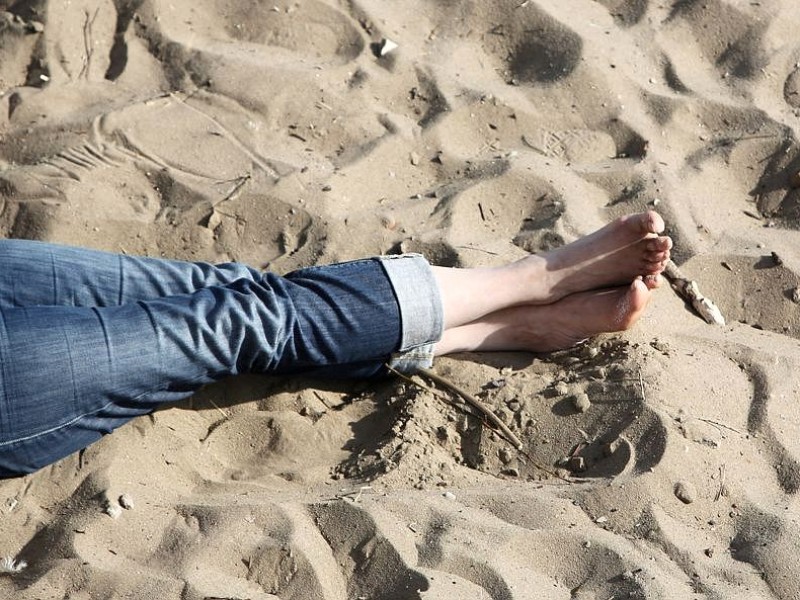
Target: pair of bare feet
x,y
598,284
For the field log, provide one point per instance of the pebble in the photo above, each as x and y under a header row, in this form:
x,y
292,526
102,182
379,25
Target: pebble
x,y
113,510
581,402
796,295
449,495
126,502
505,455
685,492
610,448
387,46
561,388
576,464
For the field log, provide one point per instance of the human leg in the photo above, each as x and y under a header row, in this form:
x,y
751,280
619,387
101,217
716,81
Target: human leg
x,y
549,327
42,274
70,374
614,255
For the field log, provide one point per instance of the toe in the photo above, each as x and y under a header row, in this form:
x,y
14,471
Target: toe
x,y
651,222
658,257
633,303
653,281
660,244
642,224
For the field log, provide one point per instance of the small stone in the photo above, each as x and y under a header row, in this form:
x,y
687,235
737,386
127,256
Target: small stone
x,y
449,495
388,222
685,492
610,448
126,502
576,464
581,402
601,520
386,46
628,576
794,179
776,259
561,388
414,158
709,552
796,295
505,455
35,27
113,510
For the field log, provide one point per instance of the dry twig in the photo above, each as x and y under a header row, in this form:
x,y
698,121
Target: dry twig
x,y
475,403
690,292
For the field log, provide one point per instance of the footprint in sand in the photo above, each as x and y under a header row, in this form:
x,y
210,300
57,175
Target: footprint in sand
x,y
575,145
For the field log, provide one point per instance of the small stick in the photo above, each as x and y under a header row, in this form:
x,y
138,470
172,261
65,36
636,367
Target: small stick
x,y
718,424
460,405
474,402
641,387
477,404
689,291
222,412
721,489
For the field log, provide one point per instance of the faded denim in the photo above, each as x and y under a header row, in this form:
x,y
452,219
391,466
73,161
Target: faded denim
x,y
89,340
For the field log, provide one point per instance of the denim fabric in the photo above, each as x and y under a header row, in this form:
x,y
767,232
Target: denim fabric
x,y
421,312
89,340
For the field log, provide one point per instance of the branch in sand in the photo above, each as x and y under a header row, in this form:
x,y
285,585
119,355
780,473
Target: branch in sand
x,y
689,291
469,398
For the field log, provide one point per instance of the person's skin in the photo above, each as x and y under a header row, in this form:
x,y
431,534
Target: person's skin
x,y
598,284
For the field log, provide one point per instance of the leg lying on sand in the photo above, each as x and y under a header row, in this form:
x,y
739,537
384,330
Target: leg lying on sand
x,y
598,284
78,363
628,248
550,327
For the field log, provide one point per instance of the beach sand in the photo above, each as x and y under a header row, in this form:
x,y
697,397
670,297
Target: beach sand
x,y
291,133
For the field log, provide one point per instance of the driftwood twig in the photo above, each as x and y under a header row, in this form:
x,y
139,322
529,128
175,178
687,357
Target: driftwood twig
x,y
475,403
690,292
469,398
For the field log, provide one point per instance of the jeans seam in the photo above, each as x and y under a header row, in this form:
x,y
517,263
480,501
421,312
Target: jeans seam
x,y
33,436
54,429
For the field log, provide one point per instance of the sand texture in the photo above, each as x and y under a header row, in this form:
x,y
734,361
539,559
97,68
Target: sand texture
x,y
283,134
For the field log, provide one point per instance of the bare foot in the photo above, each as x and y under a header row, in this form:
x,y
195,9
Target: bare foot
x,y
628,248
550,327
615,255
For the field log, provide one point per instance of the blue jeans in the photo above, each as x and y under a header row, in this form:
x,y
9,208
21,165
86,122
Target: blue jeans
x,y
90,340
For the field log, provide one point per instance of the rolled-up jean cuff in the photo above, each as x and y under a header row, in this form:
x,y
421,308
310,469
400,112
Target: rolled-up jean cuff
x,y
421,312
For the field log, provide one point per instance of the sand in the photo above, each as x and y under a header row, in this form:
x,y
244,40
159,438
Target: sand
x,y
284,134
